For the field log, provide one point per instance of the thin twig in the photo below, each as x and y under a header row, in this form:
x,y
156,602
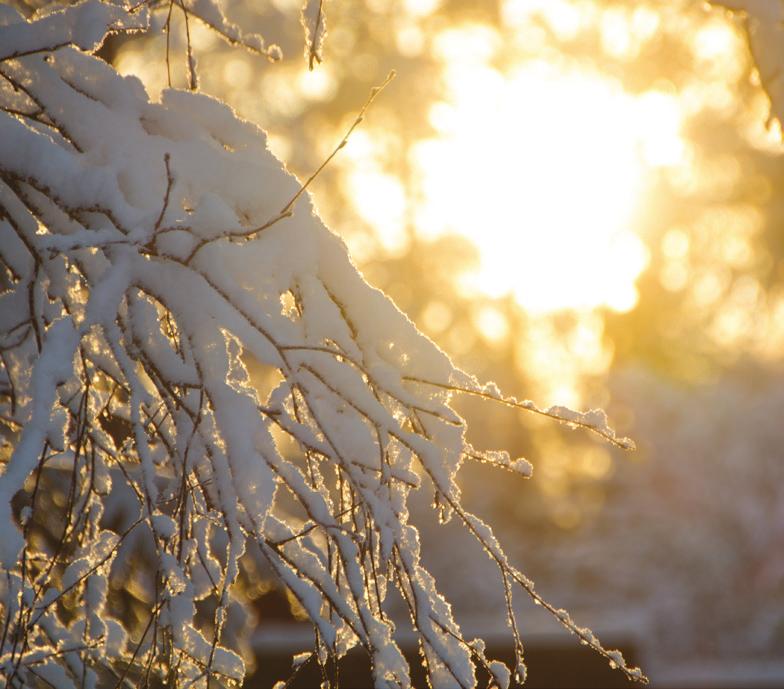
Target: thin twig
x,y
288,210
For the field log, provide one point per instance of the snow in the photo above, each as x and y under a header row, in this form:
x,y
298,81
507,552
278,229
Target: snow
x,y
52,368
501,674
152,270
764,21
83,25
211,13
314,22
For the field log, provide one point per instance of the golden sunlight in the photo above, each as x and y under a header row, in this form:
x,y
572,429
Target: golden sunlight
x,y
542,166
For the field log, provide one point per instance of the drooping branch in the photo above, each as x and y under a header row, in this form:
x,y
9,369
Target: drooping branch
x,y
140,314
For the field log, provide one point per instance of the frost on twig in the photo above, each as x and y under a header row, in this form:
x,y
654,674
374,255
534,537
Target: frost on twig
x,y
142,276
211,13
314,22
594,420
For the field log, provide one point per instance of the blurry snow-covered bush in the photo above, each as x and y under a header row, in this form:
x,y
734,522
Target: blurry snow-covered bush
x,y
707,524
763,22
152,253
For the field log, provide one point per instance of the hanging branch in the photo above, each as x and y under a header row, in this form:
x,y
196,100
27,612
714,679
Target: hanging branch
x,y
124,376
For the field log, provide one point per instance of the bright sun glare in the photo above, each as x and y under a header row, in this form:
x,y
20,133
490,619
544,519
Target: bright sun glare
x,y
542,167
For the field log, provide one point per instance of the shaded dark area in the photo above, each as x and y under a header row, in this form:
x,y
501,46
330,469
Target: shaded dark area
x,y
550,666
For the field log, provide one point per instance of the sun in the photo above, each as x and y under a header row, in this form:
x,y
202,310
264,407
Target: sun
x,y
542,167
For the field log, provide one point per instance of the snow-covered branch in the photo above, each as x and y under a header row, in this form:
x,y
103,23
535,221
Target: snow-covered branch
x,y
143,280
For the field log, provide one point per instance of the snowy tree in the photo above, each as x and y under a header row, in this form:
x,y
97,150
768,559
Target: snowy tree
x,y
154,254
764,24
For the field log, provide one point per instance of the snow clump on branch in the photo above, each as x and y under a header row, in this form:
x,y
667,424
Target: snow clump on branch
x,y
151,252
